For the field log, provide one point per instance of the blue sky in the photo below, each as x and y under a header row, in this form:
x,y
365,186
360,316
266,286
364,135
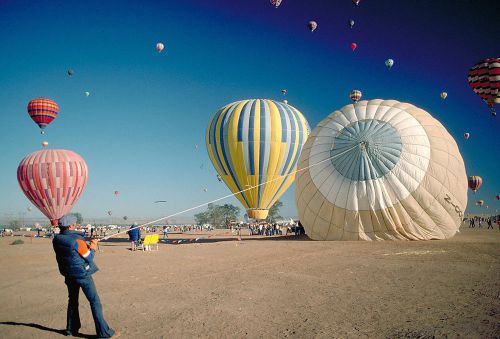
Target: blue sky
x,y
139,128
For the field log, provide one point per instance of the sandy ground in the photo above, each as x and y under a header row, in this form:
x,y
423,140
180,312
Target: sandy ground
x,y
274,287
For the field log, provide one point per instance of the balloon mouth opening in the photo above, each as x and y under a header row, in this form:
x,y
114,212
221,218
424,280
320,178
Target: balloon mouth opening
x,y
258,214
54,222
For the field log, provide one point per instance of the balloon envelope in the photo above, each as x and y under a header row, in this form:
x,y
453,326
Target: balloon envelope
x,y
160,47
380,169
475,182
484,79
43,111
312,25
444,95
353,45
256,143
389,63
53,180
355,95
350,22
466,136
276,3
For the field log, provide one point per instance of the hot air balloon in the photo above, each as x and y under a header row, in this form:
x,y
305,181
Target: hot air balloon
x,y
444,95
312,25
283,91
256,143
380,170
125,217
45,143
285,101
159,47
466,136
205,190
276,3
484,78
43,111
498,197
53,180
87,94
353,46
389,63
71,72
355,95
350,22
356,2
480,202
117,193
219,178
475,182
29,209
110,213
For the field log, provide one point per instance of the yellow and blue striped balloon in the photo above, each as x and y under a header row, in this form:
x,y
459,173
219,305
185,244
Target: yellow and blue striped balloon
x,y
254,145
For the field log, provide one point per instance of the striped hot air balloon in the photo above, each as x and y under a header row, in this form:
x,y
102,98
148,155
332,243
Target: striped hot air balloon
x,y
355,95
254,145
276,3
43,111
475,182
53,180
484,79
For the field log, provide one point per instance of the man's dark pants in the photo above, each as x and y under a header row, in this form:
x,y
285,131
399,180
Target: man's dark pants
x,y
73,319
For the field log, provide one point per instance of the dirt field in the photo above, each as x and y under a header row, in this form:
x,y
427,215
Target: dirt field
x,y
274,287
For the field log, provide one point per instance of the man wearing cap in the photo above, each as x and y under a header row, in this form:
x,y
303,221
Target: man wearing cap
x,y
134,235
76,263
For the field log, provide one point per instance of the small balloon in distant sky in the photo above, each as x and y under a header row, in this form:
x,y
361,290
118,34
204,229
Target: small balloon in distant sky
x,y
312,25
356,2
389,63
354,45
160,47
29,209
350,22
219,178
45,143
110,212
355,95
71,72
205,190
466,136
275,3
285,101
117,193
87,94
283,91
444,95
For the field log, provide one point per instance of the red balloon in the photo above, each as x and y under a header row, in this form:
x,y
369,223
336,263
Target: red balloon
x,y
353,46
498,197
53,180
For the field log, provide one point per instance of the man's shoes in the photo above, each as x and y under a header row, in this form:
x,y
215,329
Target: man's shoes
x,y
69,333
116,335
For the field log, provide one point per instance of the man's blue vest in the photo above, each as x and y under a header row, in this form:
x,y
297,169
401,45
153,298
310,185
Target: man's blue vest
x,y
71,264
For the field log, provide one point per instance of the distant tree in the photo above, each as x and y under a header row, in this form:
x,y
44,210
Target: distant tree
x,y
79,218
202,218
230,213
215,215
14,224
274,212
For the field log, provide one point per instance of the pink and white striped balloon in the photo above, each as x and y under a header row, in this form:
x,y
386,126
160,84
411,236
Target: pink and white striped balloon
x,y
53,180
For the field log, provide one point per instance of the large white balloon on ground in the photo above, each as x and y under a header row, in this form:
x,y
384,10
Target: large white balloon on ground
x,y
380,169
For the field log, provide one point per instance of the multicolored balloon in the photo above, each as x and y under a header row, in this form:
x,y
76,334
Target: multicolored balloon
x,y
353,46
43,111
498,197
160,47
443,95
355,95
389,63
53,180
276,3
466,136
356,2
312,25
475,182
45,143
254,145
117,193
484,79
283,91
480,203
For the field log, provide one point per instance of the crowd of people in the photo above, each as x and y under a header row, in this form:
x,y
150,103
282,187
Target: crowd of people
x,y
488,221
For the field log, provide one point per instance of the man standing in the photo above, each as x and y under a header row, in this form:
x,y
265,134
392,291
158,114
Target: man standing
x,y
134,235
76,263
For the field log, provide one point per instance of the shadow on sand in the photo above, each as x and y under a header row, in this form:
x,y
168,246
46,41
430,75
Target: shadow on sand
x,y
45,328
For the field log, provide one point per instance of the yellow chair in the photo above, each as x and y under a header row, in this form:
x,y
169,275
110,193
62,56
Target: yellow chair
x,y
144,245
154,241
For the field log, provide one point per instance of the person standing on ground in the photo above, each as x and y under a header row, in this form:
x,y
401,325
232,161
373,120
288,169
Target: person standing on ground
x,y
488,221
134,235
165,232
76,263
